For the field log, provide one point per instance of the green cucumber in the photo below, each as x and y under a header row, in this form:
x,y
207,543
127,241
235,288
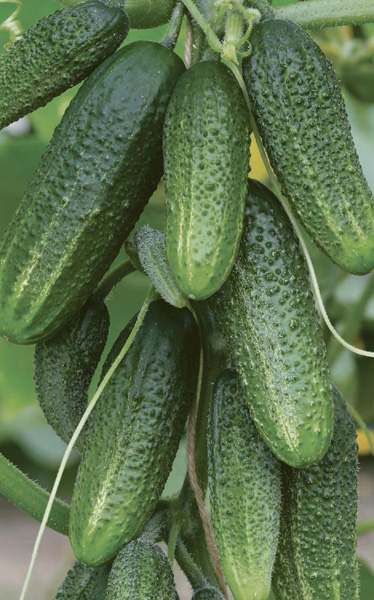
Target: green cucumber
x,y
64,367
145,14
98,173
134,432
267,314
317,552
84,583
141,571
206,152
58,52
302,119
245,493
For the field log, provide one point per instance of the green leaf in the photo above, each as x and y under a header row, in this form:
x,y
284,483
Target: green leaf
x,y
366,581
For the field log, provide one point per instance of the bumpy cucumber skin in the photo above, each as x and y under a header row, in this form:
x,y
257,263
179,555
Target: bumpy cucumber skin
x,y
58,52
134,433
266,312
98,173
302,119
317,552
141,571
65,364
84,583
206,153
245,492
146,14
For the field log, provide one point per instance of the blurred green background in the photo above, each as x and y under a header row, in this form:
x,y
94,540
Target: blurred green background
x,y
24,435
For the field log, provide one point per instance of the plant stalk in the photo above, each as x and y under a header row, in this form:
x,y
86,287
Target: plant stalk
x,y
316,14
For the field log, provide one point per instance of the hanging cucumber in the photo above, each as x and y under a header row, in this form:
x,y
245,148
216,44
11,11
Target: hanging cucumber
x,y
206,152
317,551
134,433
302,119
266,312
245,493
141,571
65,364
145,14
58,52
84,583
100,169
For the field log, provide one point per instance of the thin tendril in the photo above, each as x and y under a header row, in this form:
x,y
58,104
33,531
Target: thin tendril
x,y
11,24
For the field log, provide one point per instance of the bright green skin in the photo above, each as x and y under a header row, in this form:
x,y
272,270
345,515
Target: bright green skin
x,y
58,52
141,571
206,153
145,14
134,433
317,552
65,364
245,492
99,170
267,314
84,583
303,123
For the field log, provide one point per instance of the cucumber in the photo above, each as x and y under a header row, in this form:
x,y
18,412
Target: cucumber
x,y
245,493
84,583
206,152
58,52
65,364
134,432
145,14
100,169
302,119
266,312
141,571
317,551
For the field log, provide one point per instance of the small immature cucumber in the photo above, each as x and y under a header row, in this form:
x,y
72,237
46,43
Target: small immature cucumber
x,y
302,119
146,14
245,493
134,432
206,152
317,551
266,312
64,367
58,52
84,583
141,571
99,170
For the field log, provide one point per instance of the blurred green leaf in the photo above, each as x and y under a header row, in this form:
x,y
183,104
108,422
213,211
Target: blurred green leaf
x,y
366,581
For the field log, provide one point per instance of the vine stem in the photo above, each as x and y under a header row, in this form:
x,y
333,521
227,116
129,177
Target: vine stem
x,y
194,481
173,538
315,14
150,296
294,224
30,497
113,278
11,25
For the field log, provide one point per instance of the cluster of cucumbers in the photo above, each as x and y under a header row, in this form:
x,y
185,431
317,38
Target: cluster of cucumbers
x,y
235,323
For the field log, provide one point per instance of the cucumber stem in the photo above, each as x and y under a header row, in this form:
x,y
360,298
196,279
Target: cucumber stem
x,y
189,567
30,497
171,36
173,537
113,278
293,221
316,14
352,322
149,298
